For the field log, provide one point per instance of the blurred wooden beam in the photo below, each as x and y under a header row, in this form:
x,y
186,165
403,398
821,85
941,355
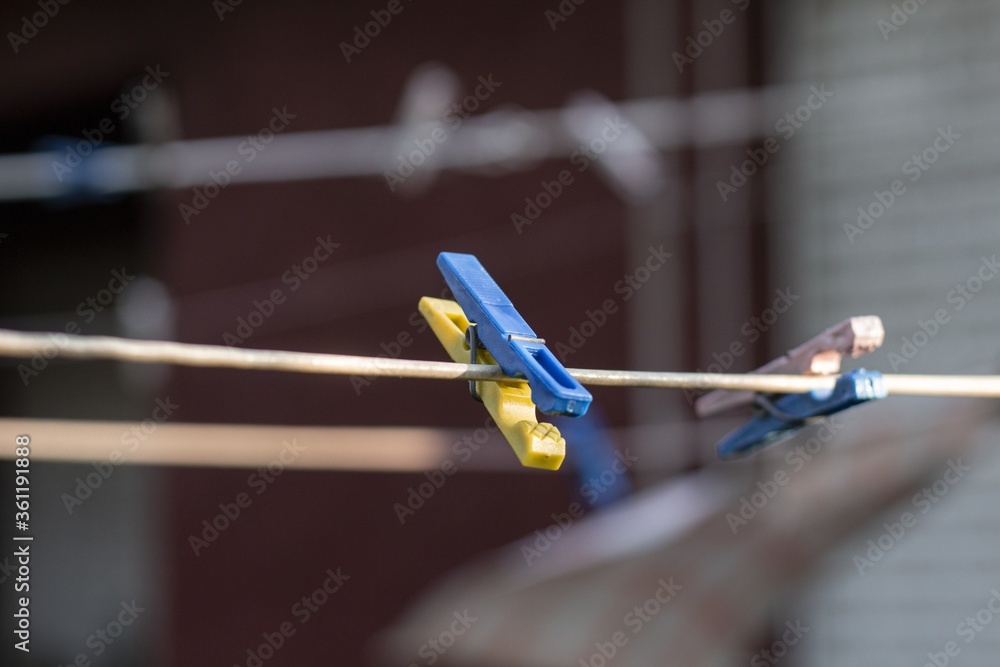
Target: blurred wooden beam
x,y
360,449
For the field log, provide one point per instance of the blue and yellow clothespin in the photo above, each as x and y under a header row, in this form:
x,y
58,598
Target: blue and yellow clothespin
x,y
502,331
484,327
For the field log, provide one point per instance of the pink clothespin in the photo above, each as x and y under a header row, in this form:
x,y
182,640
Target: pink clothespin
x,y
818,356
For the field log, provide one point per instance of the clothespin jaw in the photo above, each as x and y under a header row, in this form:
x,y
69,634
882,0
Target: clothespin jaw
x,y
537,445
509,339
780,417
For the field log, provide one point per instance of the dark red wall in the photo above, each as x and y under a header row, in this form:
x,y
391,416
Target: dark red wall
x,y
228,75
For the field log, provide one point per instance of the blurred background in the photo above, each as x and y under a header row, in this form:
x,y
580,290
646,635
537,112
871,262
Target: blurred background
x,y
799,162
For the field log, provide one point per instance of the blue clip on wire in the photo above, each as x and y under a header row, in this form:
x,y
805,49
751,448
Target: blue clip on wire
x,y
505,334
786,414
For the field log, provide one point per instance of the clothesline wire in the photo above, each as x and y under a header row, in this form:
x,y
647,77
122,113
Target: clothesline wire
x,y
45,346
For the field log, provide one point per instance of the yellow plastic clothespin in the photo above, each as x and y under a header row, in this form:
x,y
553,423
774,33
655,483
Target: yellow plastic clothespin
x,y
537,445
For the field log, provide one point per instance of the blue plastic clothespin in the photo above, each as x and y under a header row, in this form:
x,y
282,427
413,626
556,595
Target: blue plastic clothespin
x,y
782,416
601,470
505,334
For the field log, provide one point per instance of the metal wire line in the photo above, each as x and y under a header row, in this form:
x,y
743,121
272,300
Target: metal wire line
x,y
50,345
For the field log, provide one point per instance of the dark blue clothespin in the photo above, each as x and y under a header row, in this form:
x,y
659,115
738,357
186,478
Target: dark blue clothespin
x,y
601,470
784,414
505,334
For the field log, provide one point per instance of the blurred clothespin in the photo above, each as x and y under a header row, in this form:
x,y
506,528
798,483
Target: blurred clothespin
x,y
509,403
420,123
626,158
820,355
601,468
779,416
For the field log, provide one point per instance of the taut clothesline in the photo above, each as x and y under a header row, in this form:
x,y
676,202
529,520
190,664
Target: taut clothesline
x,y
51,345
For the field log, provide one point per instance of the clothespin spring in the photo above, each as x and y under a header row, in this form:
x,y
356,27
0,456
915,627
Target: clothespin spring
x,y
472,339
764,403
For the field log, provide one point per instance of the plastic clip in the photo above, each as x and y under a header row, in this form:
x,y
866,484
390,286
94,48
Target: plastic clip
x,y
781,415
820,355
509,339
509,403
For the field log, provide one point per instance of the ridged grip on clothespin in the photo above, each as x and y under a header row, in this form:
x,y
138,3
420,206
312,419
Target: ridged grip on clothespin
x,y
509,339
537,445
